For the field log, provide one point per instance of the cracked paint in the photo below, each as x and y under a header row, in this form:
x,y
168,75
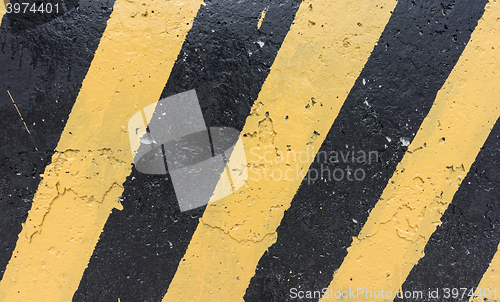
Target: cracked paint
x,y
309,81
296,106
65,174
92,160
410,208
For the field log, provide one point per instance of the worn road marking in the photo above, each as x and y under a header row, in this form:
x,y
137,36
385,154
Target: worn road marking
x,y
82,184
466,108
321,58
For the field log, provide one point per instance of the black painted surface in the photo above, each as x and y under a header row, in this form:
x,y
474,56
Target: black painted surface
x,y
415,54
141,246
42,64
460,250
23,17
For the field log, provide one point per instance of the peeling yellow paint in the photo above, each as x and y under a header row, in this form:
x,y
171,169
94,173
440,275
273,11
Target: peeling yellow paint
x,y
308,83
76,172
262,16
82,184
410,208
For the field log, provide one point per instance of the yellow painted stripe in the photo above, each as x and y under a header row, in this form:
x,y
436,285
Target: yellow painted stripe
x,y
318,63
3,9
410,208
489,287
82,185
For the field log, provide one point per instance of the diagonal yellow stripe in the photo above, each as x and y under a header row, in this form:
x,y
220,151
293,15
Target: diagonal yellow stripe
x,y
489,287
410,208
317,65
82,185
